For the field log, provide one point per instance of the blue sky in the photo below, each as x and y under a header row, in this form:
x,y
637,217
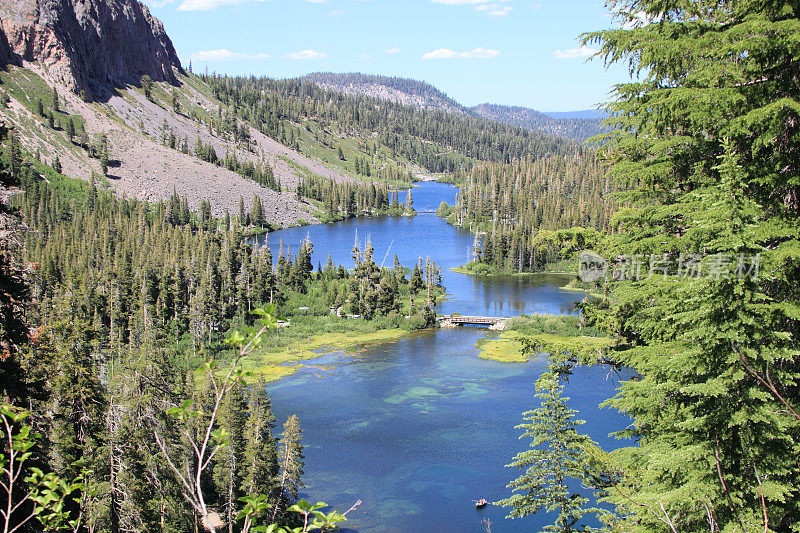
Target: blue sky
x,y
514,52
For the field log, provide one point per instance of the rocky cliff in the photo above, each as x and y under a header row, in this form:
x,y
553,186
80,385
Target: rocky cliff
x,y
87,45
6,55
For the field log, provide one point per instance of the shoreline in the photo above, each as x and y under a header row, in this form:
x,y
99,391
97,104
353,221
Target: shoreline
x,y
464,270
275,363
505,348
508,346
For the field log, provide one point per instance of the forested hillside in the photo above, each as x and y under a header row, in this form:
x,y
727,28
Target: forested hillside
x,y
424,96
580,129
435,140
533,212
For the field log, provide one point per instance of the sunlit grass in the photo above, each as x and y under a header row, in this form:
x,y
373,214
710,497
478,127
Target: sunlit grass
x,y
507,348
272,363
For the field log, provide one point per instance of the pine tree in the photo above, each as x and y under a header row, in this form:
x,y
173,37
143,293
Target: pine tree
x,y
415,284
257,212
554,458
242,212
146,83
260,456
104,153
70,129
15,159
78,403
301,268
176,103
389,295
707,139
229,467
291,458
14,295
205,215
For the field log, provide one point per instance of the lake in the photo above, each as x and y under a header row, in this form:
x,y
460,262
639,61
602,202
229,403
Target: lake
x,y
421,427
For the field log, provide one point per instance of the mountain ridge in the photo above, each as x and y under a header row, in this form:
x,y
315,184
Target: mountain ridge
x,y
578,125
407,91
566,124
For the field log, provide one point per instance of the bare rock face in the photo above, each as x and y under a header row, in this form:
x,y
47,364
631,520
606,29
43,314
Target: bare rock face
x,y
88,45
6,55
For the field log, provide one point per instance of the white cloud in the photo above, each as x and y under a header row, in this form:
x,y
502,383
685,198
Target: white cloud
x,y
223,54
336,13
305,54
634,20
207,5
317,1
492,8
440,53
479,53
392,51
366,56
572,53
475,53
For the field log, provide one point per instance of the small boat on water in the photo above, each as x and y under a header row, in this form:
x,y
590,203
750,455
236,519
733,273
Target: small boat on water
x,y
480,504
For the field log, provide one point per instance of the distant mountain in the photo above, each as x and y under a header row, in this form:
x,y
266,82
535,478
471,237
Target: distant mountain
x,y
578,125
591,114
401,90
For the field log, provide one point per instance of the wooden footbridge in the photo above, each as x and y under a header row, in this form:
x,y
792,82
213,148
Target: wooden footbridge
x,y
494,322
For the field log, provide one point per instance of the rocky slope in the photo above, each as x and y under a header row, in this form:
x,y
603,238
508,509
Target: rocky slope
x,y
65,47
87,45
141,167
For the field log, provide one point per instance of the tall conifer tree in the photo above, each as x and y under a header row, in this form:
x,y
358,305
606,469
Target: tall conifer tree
x,y
708,137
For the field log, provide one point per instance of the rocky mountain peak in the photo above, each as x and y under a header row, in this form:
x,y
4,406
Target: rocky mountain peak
x,y
87,45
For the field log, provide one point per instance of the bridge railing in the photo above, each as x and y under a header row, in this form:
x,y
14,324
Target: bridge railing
x,y
471,319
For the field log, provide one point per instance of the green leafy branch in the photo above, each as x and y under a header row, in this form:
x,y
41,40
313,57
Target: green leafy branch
x,y
44,494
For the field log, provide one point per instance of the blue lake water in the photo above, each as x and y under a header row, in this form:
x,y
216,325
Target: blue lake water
x,y
427,235
421,427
